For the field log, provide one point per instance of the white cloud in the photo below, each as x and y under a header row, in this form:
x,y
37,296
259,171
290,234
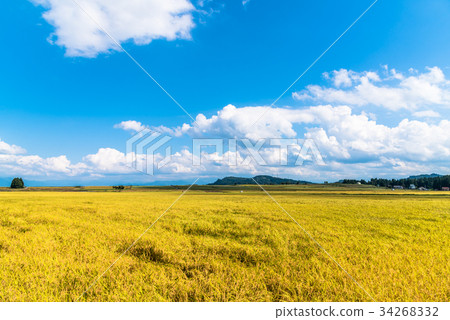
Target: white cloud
x,y
239,122
394,92
339,133
355,137
426,114
342,77
33,165
138,20
107,160
130,125
6,148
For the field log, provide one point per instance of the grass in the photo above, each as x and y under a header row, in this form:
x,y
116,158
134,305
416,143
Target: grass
x,y
218,244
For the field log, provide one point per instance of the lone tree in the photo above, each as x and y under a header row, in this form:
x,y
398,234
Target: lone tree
x,y
17,183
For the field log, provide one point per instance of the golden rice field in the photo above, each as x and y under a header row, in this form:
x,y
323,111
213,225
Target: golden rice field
x,y
220,244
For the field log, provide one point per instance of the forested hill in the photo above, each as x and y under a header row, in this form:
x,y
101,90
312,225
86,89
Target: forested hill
x,y
260,179
433,175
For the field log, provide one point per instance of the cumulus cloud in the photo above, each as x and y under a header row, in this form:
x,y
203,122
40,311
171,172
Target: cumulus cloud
x,y
341,77
344,135
394,91
232,122
34,165
426,114
130,125
339,133
6,148
140,21
107,160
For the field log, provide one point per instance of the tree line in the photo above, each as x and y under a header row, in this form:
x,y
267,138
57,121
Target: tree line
x,y
436,183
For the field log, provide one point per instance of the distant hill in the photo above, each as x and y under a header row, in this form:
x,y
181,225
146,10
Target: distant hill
x,y
259,179
433,175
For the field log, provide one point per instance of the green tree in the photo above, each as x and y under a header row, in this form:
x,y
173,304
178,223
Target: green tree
x,y
17,183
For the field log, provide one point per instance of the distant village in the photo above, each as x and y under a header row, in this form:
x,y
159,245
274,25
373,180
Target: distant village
x,y
412,186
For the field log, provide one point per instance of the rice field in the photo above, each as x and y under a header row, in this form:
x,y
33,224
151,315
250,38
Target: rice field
x,y
225,244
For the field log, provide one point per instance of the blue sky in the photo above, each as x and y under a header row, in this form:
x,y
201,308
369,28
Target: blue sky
x,y
59,98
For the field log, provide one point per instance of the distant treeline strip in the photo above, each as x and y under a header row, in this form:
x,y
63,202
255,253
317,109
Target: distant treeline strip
x,y
425,182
